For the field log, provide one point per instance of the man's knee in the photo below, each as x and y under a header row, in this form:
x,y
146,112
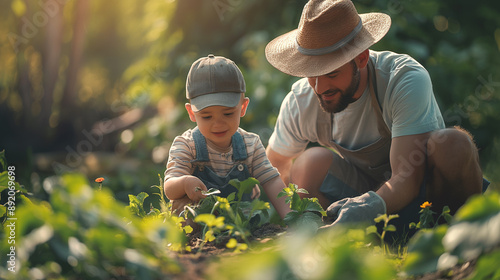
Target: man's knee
x,y
451,143
311,166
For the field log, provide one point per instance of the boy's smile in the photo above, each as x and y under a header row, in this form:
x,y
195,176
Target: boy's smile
x,y
219,123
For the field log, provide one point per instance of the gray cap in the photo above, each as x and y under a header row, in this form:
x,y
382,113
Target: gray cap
x,y
214,81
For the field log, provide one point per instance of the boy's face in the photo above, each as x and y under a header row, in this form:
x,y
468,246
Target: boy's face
x,y
218,123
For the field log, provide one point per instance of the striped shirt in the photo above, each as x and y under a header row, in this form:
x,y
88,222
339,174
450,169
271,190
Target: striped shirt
x,y
183,152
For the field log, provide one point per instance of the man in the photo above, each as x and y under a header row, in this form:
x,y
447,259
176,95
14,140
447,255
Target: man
x,y
376,110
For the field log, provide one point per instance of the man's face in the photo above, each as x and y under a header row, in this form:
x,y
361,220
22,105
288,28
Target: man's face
x,y
336,90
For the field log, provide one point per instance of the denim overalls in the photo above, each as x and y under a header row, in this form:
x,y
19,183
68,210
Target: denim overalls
x,y
203,169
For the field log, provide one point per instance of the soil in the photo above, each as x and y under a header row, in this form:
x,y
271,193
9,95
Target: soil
x,y
456,273
195,263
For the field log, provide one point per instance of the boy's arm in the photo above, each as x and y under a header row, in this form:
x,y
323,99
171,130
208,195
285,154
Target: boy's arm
x,y
178,187
179,182
272,189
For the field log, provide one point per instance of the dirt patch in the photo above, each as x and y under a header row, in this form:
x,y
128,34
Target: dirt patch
x,y
458,272
196,262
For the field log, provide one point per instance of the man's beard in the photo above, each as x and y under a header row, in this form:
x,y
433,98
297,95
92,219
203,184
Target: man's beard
x,y
346,96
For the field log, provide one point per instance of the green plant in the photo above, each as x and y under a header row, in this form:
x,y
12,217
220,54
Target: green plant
x,y
239,217
386,228
136,207
305,211
331,254
83,233
472,234
14,193
427,216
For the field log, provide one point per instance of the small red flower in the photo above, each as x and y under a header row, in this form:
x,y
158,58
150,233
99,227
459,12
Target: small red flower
x,y
426,204
99,180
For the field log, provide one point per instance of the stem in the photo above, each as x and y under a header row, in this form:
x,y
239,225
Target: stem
x,y
205,227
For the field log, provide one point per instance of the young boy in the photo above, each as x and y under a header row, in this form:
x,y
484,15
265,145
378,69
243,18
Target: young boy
x,y
217,150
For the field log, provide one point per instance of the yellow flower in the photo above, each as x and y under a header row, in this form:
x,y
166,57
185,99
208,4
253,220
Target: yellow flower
x,y
426,204
209,236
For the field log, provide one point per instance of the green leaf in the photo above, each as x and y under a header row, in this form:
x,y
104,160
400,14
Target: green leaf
x,y
3,210
304,191
3,161
479,206
448,218
393,216
4,180
136,206
380,218
390,228
372,229
424,250
247,186
282,193
258,204
231,197
141,197
308,220
487,267
290,217
312,205
468,239
296,203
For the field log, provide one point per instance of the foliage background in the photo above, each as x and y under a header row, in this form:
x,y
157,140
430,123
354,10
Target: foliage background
x,y
98,86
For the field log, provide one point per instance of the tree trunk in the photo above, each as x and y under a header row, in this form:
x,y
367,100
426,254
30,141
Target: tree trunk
x,y
70,90
51,56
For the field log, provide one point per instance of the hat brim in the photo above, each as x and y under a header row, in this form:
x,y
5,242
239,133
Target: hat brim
x,y
283,54
226,99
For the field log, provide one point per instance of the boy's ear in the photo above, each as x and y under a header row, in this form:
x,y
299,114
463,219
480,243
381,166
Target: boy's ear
x,y
244,106
190,112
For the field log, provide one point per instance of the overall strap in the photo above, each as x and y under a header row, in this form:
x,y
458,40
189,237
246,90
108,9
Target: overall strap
x,y
201,145
239,147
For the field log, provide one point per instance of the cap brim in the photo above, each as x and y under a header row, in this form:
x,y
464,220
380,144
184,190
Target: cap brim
x,y
226,99
282,52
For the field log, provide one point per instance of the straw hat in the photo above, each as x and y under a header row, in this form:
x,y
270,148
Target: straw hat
x,y
330,34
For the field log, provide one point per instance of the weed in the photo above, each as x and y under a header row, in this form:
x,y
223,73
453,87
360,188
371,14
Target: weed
x,y
427,216
305,211
386,228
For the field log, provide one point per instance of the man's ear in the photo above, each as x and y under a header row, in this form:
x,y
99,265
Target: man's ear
x,y
244,106
362,59
190,112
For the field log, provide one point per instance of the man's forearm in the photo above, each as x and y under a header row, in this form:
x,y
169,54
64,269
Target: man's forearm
x,y
282,163
398,193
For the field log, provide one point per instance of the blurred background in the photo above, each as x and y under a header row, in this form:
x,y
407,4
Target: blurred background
x,y
97,87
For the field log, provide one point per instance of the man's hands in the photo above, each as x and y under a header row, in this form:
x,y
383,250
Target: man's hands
x,y
363,208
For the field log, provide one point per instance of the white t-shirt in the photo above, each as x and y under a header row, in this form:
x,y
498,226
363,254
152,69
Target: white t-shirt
x,y
404,91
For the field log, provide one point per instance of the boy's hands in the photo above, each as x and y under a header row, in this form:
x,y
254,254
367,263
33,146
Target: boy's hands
x,y
255,192
193,188
178,204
